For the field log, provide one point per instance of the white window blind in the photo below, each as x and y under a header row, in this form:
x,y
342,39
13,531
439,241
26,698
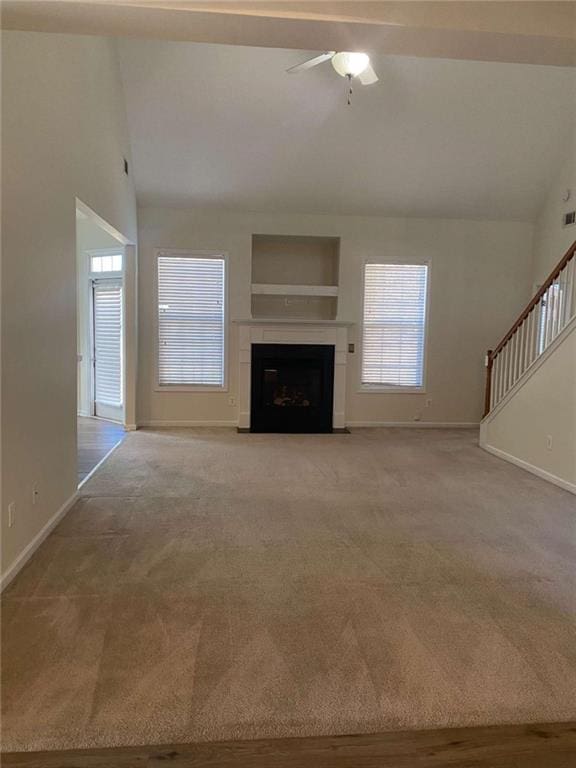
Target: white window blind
x,y
108,342
190,320
394,325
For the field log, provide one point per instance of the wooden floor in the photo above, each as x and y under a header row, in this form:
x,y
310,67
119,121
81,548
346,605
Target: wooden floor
x,y
551,745
96,438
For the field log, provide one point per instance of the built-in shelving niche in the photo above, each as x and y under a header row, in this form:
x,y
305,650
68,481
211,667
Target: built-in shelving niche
x,y
295,277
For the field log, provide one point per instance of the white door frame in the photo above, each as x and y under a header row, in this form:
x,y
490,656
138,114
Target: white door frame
x,y
129,312
113,413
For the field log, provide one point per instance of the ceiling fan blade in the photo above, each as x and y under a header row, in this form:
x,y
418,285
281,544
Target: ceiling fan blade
x,y
311,63
368,77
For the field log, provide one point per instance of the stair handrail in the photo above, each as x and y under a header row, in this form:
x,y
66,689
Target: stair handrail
x,y
541,291
493,353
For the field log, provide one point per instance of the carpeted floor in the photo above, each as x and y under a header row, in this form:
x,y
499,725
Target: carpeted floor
x,y
210,585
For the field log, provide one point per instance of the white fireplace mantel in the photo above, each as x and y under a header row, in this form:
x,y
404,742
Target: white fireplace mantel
x,y
292,332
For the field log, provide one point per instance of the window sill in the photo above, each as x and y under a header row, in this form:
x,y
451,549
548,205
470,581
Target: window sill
x,y
383,390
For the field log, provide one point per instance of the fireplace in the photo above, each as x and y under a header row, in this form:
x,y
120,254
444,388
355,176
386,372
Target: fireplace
x,y
292,388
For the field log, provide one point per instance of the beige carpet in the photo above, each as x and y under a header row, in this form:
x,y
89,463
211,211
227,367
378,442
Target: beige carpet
x,y
211,585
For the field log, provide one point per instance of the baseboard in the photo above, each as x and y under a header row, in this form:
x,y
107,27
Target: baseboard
x,y
541,473
130,427
29,550
417,424
159,424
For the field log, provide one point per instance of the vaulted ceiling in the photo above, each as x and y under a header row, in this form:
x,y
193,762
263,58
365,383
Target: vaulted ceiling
x,y
219,125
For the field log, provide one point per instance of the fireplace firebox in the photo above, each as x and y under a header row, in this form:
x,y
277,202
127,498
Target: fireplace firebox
x,y
292,388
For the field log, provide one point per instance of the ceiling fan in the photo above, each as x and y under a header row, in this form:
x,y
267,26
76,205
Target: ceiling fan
x,y
346,63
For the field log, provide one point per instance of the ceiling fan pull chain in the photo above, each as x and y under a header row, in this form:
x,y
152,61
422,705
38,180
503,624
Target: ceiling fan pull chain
x,y
349,89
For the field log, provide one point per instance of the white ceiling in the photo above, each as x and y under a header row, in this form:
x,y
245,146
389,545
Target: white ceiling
x,y
215,125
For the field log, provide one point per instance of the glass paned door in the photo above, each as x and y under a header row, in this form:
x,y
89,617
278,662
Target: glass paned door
x,y
107,354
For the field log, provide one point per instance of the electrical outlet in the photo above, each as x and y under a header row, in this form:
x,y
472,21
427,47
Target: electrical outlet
x,y
11,513
34,494
549,442
232,400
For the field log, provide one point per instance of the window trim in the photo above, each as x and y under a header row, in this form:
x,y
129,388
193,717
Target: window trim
x,y
183,252
380,389
116,273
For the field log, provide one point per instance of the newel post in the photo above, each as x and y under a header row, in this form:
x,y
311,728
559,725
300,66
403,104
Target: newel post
x,y
488,394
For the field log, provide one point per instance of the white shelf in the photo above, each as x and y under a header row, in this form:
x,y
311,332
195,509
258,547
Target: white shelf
x,y
271,289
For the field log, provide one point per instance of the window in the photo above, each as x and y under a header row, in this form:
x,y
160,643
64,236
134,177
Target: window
x,y
106,263
191,326
394,325
551,311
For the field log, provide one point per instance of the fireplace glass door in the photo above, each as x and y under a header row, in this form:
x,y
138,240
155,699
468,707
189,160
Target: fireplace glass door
x,y
292,387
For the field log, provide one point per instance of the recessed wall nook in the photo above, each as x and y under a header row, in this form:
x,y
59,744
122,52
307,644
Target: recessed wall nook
x,y
300,386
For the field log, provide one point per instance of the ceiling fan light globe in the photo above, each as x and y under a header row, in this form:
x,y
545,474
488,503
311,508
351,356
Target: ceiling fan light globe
x,y
350,64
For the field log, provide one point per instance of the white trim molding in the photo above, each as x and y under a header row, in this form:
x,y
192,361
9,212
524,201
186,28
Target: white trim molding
x,y
542,473
416,424
16,566
292,333
166,424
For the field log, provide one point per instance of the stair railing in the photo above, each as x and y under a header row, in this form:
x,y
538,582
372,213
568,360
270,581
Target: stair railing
x,y
551,309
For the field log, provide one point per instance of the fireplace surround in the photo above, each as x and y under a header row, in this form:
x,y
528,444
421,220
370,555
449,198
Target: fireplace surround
x,y
292,333
292,388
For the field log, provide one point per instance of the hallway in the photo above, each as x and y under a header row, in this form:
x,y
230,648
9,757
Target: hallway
x,y
96,438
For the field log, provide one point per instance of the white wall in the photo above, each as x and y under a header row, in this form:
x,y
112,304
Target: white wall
x,y
544,406
551,239
63,136
480,279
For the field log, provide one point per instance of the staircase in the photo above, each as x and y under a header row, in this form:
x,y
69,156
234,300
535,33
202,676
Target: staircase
x,y
545,317
530,418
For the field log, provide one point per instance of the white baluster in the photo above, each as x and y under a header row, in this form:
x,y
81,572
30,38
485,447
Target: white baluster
x,y
572,288
494,389
533,333
553,308
506,371
568,273
523,331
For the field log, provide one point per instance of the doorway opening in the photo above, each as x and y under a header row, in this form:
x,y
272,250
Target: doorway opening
x,y
101,261
106,367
